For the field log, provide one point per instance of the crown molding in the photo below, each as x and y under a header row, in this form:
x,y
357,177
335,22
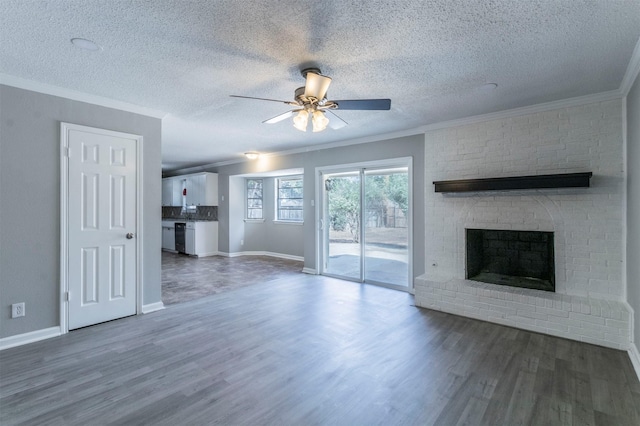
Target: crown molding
x,y
515,112
633,69
48,89
532,109
301,150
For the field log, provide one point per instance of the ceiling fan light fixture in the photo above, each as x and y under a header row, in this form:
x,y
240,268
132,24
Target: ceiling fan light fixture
x,y
316,85
319,121
311,103
301,120
252,155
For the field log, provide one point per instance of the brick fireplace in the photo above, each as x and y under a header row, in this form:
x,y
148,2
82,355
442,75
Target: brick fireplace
x,y
586,223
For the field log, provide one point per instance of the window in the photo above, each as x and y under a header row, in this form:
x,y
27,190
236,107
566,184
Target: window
x,y
289,202
254,199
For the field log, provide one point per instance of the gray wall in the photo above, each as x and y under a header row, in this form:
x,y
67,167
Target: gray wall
x,y
268,236
30,201
633,205
230,216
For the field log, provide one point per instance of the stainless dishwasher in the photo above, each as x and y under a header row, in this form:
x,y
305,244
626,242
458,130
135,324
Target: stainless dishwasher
x,y
180,237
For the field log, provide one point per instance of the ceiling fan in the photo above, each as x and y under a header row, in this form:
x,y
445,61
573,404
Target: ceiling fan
x,y
311,102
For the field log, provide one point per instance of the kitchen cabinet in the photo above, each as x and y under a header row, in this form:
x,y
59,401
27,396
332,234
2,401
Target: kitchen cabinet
x,y
168,235
178,186
202,190
201,238
172,191
167,192
190,237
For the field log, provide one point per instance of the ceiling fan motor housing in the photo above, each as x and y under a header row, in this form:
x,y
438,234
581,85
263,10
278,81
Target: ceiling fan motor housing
x,y
308,70
299,94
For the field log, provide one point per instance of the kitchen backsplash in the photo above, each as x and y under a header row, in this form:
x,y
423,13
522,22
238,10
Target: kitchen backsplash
x,y
201,213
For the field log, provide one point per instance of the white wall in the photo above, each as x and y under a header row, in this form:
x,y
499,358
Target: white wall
x,y
633,206
587,222
30,201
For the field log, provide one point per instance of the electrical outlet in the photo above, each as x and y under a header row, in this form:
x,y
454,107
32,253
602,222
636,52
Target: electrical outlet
x,y
17,310
241,242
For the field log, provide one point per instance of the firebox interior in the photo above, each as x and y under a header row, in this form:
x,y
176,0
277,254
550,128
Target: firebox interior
x,y
513,258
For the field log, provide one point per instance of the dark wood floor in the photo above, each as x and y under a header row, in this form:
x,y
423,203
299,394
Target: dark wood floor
x,y
309,350
187,278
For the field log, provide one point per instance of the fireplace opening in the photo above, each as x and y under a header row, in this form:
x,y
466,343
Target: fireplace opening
x,y
513,258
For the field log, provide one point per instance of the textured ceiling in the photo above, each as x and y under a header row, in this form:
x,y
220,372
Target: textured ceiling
x,y
431,58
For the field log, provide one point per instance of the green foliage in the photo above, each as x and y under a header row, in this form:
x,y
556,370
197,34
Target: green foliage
x,y
344,205
382,192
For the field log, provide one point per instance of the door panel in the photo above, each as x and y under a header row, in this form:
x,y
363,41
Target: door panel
x,y
116,261
386,236
365,225
89,275
342,223
102,262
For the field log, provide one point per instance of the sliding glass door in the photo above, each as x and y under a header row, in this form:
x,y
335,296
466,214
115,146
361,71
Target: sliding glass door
x,y
365,225
343,225
386,236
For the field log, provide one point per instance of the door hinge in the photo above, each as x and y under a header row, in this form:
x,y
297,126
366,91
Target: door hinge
x,y
67,296
65,151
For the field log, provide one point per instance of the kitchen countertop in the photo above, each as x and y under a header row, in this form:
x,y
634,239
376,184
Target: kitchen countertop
x,y
173,219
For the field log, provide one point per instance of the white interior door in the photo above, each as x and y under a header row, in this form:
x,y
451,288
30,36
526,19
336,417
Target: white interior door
x,y
101,225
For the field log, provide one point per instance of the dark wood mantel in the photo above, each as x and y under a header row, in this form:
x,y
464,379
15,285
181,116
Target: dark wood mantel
x,y
564,180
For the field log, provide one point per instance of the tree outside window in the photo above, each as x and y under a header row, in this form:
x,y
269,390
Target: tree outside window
x,y
254,199
290,203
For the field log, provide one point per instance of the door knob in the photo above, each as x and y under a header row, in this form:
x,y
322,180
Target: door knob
x,y
129,235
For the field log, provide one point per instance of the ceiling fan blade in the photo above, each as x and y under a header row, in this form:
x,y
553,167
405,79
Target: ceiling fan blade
x,y
316,85
336,122
364,104
281,117
265,99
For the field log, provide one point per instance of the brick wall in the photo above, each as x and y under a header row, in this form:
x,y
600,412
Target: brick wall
x,y
587,222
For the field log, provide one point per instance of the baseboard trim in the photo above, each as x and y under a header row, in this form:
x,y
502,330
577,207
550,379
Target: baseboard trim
x,y
152,307
309,271
30,337
208,254
263,253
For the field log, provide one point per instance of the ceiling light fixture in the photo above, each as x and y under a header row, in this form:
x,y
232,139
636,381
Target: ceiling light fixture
x,y
252,155
319,121
311,102
85,44
301,120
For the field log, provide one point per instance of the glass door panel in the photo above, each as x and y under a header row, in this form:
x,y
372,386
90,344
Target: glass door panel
x,y
342,225
386,236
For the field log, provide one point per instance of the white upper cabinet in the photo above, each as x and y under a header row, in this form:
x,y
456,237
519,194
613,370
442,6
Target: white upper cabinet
x,y
167,192
195,190
201,189
178,187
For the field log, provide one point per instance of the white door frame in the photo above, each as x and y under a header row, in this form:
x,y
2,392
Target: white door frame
x,y
64,215
319,207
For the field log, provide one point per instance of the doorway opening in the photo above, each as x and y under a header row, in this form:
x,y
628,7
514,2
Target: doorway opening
x,y
365,218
